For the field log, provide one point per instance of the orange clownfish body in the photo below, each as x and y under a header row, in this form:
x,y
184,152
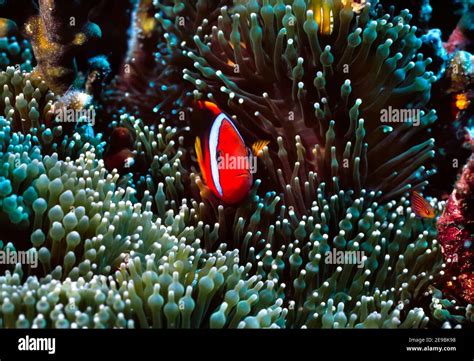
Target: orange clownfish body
x,y
421,206
225,161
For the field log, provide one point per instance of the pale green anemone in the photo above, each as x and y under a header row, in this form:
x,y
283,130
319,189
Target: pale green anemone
x,y
29,105
15,52
21,163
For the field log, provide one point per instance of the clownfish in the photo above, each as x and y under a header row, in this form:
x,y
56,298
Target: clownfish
x,y
421,206
119,154
225,161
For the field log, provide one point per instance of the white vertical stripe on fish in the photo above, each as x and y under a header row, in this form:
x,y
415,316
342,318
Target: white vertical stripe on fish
x,y
213,143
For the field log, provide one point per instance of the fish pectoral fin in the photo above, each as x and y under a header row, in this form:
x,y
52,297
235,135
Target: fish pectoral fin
x,y
258,146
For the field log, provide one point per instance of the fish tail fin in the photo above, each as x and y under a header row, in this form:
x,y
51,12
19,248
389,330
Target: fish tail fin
x,y
258,146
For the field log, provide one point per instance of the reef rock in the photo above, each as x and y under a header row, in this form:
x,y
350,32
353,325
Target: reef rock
x,y
456,234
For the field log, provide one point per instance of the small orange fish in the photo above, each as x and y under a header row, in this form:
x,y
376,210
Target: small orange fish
x,y
421,206
224,158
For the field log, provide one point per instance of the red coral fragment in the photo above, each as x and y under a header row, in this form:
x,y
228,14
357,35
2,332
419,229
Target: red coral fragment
x,y
456,230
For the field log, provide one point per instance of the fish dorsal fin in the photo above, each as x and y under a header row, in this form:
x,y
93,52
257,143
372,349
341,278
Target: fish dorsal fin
x,y
418,202
258,146
421,206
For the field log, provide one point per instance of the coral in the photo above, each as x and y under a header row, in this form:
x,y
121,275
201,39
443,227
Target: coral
x,y
454,94
460,71
460,38
456,236
433,46
270,66
57,34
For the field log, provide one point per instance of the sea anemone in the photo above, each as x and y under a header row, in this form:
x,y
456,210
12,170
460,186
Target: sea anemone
x,y
401,255
283,76
158,274
127,233
15,51
151,87
21,164
32,108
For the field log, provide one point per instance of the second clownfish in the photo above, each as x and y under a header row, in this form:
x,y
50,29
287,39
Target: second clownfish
x,y
119,154
226,163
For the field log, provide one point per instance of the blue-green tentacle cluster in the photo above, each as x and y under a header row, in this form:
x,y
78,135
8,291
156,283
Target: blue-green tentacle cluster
x,y
269,64
15,51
